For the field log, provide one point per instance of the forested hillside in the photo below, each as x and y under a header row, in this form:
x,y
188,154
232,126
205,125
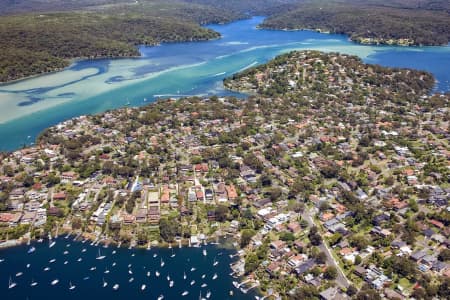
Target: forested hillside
x,y
399,22
43,42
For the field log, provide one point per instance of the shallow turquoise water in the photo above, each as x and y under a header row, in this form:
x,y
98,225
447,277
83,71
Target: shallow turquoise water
x,y
173,70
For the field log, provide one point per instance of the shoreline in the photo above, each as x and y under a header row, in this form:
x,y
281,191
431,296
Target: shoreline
x,y
359,40
88,237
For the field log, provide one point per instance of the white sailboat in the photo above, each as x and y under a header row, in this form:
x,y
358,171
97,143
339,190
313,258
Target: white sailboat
x,y
33,283
161,297
19,274
105,284
215,263
11,284
184,275
131,280
71,286
148,274
185,293
116,287
214,276
52,244
203,276
171,283
162,263
204,252
54,282
193,269
204,285
208,294
99,256
157,274
192,282
143,287
168,277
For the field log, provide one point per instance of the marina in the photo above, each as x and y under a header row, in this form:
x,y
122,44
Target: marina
x,y
110,277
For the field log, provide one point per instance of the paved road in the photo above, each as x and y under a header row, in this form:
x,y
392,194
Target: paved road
x,y
341,280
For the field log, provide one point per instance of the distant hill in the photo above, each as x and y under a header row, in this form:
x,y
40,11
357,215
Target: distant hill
x,y
402,22
40,42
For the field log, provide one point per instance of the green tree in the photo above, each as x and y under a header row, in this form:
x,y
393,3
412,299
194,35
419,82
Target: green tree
x,y
246,237
330,273
251,263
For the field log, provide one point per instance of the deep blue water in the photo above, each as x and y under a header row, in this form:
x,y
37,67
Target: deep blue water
x,y
173,70
89,283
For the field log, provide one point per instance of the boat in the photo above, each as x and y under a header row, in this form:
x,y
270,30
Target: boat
x,y
71,286
2,260
54,282
168,278
192,282
116,287
171,283
86,278
52,260
105,284
131,279
66,252
114,264
155,255
185,293
130,272
11,284
114,252
236,284
162,263
33,283
132,255
129,265
214,276
148,274
161,297
200,296
99,256
203,276
19,274
204,252
193,269
157,274
184,275
208,294
80,259
66,262
93,268
31,250
84,250
231,293
106,271
52,244
143,287
47,269
204,285
215,262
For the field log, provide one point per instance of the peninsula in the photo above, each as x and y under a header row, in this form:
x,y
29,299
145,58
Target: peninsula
x,y
332,177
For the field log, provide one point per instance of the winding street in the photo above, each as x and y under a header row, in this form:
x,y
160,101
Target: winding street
x,y
341,279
